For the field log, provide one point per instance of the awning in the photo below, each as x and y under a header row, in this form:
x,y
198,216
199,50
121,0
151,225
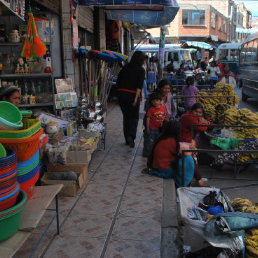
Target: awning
x,y
145,12
197,44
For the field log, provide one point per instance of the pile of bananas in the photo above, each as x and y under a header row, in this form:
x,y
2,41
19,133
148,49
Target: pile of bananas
x,y
232,116
243,117
251,236
220,112
251,243
242,205
210,112
229,90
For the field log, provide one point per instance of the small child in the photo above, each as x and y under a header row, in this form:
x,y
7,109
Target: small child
x,y
189,91
155,117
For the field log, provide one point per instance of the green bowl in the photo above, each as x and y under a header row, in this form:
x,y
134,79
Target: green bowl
x,y
10,112
10,223
2,151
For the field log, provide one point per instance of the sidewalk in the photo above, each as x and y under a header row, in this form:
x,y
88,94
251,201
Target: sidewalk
x,y
118,214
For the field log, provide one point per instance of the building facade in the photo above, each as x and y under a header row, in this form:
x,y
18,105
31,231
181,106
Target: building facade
x,y
193,22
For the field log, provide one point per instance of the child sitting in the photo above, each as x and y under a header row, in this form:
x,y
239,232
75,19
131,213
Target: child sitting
x,y
189,92
155,117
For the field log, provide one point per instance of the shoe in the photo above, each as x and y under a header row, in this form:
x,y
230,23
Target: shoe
x,y
145,171
130,141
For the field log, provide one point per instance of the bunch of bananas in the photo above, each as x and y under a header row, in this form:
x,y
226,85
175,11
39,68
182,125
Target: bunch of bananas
x,y
210,112
251,235
231,116
251,243
220,112
240,204
229,90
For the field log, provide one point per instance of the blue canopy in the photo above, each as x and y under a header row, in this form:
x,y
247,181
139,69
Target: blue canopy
x,y
198,44
145,12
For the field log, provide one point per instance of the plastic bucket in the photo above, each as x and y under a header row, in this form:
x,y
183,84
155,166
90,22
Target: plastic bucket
x,y
10,194
23,178
10,219
29,185
6,204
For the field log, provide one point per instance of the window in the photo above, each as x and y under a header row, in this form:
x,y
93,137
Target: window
x,y
193,17
224,26
223,54
242,54
219,23
213,20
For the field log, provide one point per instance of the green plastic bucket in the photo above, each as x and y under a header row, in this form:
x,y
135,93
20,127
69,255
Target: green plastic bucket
x,y
10,219
10,112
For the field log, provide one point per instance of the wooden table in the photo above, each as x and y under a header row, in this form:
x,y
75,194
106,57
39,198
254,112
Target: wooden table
x,y
31,216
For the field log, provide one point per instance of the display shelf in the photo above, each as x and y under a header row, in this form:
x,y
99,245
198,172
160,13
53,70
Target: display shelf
x,y
25,75
37,105
11,10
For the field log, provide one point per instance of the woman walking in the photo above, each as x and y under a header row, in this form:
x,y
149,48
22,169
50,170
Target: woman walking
x,y
129,83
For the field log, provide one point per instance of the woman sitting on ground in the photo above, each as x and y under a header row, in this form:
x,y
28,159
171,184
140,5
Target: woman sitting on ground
x,y
190,118
164,160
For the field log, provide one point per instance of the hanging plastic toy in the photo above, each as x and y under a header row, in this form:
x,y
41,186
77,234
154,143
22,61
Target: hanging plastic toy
x,y
33,46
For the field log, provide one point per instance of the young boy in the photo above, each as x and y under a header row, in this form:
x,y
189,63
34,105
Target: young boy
x,y
155,117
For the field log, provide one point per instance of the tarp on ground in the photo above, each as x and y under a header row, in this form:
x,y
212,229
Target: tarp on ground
x,y
145,12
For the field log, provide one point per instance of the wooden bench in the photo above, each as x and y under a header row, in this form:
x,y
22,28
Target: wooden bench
x,y
31,216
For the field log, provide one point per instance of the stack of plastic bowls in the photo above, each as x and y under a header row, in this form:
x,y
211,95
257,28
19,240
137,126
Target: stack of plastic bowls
x,y
10,116
9,187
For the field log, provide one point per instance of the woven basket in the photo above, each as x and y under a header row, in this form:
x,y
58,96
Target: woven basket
x,y
30,127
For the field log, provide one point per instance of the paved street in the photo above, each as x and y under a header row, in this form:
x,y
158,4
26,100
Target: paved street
x,y
118,213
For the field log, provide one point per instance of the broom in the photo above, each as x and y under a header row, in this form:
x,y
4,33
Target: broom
x,y
26,47
38,47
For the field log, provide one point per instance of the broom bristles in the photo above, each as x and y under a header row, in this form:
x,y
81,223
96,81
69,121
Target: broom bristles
x,y
39,48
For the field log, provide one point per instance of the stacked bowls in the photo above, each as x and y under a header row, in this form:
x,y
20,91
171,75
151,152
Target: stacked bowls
x,y
26,144
10,116
9,187
12,199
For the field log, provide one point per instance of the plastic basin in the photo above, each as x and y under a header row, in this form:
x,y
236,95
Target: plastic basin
x,y
10,112
29,185
8,203
10,219
6,125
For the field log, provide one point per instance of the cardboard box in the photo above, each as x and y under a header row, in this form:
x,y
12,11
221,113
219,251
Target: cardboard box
x,y
81,156
70,188
87,135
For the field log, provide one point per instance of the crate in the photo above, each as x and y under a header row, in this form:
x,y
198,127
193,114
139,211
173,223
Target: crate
x,y
80,156
70,188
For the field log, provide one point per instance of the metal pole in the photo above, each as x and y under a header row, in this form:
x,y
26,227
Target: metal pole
x,y
161,52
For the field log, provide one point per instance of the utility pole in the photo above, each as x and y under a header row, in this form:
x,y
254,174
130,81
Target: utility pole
x,y
161,52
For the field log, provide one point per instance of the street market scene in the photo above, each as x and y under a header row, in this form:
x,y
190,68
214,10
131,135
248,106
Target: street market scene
x,y
129,128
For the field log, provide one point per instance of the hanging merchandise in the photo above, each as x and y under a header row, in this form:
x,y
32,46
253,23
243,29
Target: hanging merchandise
x,y
33,46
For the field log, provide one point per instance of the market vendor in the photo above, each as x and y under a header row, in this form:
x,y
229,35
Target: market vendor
x,y
193,117
10,94
164,160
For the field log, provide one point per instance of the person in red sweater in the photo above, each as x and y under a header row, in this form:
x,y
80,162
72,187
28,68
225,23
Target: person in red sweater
x,y
193,117
164,160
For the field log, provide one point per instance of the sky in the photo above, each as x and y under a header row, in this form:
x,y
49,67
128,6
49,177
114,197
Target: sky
x,y
251,5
